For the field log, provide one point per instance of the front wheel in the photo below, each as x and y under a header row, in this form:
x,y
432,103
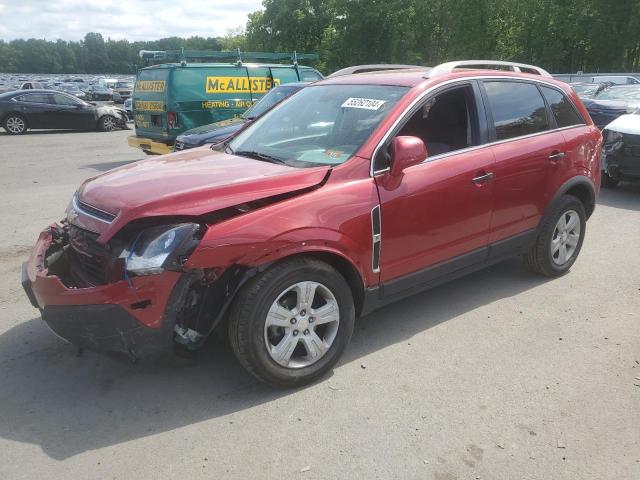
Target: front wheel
x,y
289,325
107,123
560,238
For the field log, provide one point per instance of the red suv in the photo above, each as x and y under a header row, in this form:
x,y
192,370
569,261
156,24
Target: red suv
x,y
354,193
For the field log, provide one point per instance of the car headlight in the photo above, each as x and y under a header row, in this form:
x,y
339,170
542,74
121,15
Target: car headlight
x,y
632,108
157,249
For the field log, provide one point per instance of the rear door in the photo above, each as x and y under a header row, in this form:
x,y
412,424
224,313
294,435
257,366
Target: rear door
x,y
149,103
526,147
261,81
37,108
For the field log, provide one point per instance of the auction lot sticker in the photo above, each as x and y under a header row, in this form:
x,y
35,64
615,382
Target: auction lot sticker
x,y
365,103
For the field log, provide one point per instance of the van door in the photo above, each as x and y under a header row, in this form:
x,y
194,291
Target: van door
x,y
149,103
225,94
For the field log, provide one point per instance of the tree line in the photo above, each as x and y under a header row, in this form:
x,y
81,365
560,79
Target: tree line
x,y
561,35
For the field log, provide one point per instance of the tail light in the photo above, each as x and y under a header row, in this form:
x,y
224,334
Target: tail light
x,y
172,120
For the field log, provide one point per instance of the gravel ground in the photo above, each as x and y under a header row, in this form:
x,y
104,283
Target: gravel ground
x,y
499,375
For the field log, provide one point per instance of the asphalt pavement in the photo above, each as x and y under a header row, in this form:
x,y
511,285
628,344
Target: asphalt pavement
x,y
499,375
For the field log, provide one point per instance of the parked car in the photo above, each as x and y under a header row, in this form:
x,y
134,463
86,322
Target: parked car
x,y
616,79
37,109
72,89
31,86
378,67
221,131
355,192
171,98
621,152
128,106
613,102
589,90
123,89
99,93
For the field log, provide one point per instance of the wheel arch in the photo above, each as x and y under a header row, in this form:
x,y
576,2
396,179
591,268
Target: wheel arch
x,y
19,114
583,189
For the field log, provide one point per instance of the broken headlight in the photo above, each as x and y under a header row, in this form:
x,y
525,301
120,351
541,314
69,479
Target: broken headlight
x,y
157,249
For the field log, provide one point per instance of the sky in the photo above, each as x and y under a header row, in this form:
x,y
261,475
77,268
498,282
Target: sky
x,y
121,19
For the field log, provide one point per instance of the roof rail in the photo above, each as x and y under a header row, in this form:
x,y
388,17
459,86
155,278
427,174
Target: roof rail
x,y
182,55
449,67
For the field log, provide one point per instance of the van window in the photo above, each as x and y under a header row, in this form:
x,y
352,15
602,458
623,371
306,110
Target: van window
x,y
563,111
517,107
310,76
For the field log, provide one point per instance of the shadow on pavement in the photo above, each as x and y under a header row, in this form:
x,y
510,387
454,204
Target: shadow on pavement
x,y
68,404
625,195
105,166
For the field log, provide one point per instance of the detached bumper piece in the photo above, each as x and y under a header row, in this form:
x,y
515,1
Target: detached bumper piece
x,y
106,328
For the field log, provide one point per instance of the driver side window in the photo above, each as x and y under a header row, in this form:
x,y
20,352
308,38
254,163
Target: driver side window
x,y
445,122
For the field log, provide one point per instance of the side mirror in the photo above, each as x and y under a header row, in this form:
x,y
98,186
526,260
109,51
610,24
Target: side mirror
x,y
405,152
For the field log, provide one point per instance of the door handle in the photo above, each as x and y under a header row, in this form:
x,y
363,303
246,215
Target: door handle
x,y
556,156
484,178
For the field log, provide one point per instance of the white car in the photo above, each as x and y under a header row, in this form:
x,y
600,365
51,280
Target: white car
x,y
621,150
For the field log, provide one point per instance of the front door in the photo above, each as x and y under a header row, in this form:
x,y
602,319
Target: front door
x,y
73,113
439,213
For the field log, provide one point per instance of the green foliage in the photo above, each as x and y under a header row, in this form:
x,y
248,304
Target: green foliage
x,y
559,35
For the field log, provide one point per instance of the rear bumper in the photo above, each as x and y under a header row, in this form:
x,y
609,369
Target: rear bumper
x,y
149,146
135,317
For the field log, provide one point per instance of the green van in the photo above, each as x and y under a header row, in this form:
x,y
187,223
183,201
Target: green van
x,y
170,98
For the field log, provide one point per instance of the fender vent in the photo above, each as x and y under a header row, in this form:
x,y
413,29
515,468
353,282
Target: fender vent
x,y
376,231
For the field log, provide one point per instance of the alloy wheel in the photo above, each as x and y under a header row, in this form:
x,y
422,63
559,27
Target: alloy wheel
x,y
15,125
301,325
109,124
565,238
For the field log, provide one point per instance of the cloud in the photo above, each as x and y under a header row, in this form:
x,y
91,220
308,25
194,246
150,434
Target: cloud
x,y
122,19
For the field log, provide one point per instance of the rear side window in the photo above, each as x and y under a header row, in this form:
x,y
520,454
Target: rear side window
x,y
563,111
35,98
518,109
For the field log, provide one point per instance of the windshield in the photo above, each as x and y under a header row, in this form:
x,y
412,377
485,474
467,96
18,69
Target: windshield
x,y
620,94
275,95
124,85
320,125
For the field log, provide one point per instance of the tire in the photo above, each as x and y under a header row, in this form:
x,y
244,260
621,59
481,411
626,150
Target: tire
x,y
608,181
546,256
262,301
15,124
107,123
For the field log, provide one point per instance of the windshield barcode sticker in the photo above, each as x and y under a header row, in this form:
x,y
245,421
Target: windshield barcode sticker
x,y
366,103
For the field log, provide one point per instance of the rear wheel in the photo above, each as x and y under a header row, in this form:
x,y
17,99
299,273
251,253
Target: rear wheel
x,y
560,238
15,124
107,123
290,324
608,181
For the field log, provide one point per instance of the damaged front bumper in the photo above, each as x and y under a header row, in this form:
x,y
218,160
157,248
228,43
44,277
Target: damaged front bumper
x,y
134,317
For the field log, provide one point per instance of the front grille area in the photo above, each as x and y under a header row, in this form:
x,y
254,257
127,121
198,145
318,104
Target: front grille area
x,y
93,211
89,261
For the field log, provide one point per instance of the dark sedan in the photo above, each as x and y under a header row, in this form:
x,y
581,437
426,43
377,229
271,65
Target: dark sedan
x,y
220,131
99,93
613,102
38,109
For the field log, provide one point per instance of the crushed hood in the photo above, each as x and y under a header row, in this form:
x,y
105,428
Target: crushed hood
x,y
190,183
629,124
